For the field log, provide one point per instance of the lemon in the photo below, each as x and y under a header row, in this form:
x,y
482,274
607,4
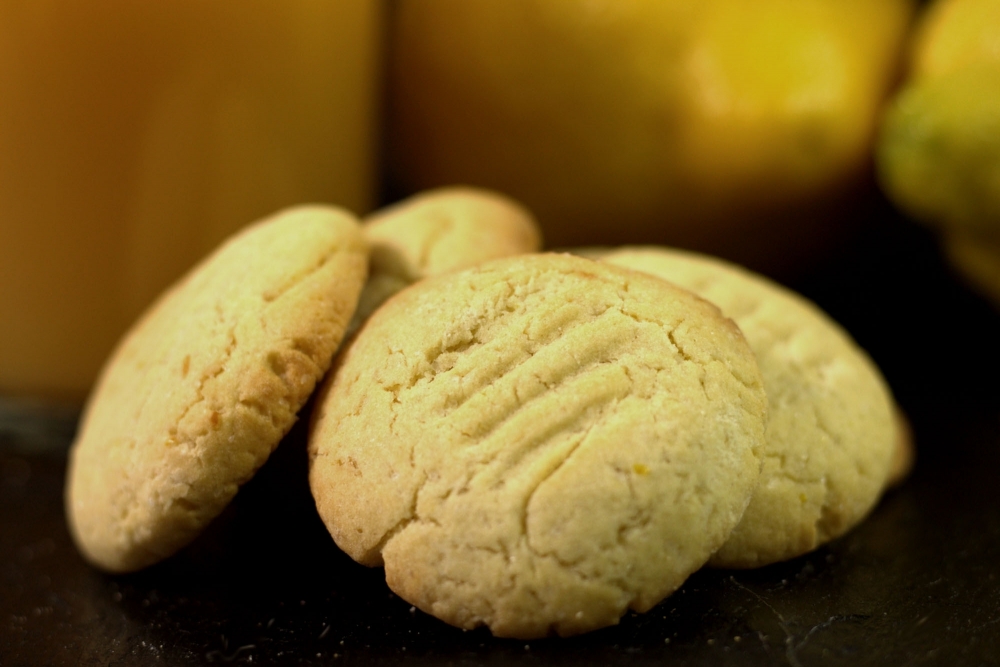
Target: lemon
x,y
939,152
708,124
956,33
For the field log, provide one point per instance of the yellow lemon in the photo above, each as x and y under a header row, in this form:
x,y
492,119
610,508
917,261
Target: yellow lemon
x,y
699,124
956,33
939,151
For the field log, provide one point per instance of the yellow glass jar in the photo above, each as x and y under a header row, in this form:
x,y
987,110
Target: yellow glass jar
x,y
134,136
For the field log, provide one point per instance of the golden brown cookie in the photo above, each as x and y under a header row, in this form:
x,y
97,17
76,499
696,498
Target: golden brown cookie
x,y
203,387
831,426
538,443
904,453
439,231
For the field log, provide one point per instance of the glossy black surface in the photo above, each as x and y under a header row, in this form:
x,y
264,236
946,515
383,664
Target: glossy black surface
x,y
915,584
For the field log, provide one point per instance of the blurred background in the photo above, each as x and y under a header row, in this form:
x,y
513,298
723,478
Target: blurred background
x,y
135,137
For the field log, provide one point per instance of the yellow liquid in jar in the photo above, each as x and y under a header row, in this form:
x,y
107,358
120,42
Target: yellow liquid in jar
x,y
136,135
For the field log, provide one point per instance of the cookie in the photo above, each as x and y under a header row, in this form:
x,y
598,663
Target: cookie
x,y
904,452
439,231
831,426
539,443
203,387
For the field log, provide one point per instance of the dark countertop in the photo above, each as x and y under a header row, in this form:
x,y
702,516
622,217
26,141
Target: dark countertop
x,y
918,583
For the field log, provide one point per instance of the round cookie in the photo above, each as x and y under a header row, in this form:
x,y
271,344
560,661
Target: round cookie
x,y
831,423
904,452
538,443
203,387
439,231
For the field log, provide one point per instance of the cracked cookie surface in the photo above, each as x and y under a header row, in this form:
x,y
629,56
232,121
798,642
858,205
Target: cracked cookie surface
x,y
439,231
832,428
539,443
203,387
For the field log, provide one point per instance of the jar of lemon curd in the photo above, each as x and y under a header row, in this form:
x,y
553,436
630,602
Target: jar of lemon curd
x,y
137,134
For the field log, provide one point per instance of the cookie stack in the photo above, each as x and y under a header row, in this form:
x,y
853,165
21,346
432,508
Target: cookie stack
x,y
532,442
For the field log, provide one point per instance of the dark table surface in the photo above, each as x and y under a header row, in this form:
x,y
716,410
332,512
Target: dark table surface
x,y
918,583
